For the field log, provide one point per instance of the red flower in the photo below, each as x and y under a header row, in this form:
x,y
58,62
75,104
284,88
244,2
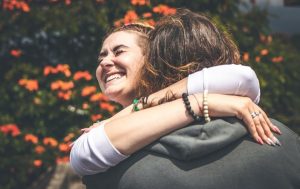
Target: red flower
x,y
107,106
264,52
10,129
82,75
140,2
88,90
64,159
37,163
65,95
277,59
130,17
98,97
16,52
164,9
39,149
96,117
31,138
30,84
50,141
64,147
246,57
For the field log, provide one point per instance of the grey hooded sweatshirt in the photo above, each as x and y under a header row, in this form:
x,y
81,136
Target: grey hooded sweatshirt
x,y
219,154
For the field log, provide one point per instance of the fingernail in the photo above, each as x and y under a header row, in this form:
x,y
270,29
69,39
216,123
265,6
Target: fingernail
x,y
276,141
259,141
277,130
271,141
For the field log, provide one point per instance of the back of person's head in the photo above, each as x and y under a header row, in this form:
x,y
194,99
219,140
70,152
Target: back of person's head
x,y
184,43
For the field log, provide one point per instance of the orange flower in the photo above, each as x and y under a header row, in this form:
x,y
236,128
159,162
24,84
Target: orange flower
x,y
246,57
39,149
257,59
164,9
118,23
82,75
10,129
151,22
147,15
65,95
264,52
50,141
24,7
63,85
64,147
47,70
130,17
96,117
69,137
85,106
140,2
63,68
31,138
14,4
37,163
29,84
16,52
98,97
277,59
88,90
22,82
32,85
64,159
68,2
107,106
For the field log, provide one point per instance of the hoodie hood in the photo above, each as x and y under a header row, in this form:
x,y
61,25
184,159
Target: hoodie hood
x,y
199,139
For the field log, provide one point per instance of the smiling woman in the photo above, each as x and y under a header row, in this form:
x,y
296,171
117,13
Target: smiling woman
x,y
119,60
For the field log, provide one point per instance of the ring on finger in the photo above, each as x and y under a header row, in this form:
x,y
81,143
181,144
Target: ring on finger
x,y
254,114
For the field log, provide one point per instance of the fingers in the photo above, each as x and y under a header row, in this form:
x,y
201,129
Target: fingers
x,y
88,129
269,123
246,117
259,125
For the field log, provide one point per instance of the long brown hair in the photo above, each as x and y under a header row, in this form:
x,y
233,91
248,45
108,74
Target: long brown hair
x,y
181,44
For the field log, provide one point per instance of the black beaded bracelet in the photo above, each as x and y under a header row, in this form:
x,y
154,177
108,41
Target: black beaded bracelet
x,y
189,108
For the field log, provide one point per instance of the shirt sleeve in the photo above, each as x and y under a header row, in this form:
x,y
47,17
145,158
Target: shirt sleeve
x,y
93,152
226,79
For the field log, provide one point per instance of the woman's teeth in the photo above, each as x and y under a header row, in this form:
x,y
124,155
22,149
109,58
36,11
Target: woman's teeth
x,y
112,77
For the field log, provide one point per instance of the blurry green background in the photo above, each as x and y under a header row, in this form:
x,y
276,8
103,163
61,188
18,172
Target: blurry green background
x,y
48,56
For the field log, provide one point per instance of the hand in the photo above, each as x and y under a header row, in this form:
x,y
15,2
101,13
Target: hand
x,y
258,123
88,129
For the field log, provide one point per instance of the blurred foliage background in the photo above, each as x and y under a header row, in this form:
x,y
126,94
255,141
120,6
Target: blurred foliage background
x,y
48,56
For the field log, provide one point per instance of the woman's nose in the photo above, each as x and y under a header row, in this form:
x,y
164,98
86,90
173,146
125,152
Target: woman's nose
x,y
107,62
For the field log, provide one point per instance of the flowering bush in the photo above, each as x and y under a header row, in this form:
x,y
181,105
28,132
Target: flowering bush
x,y
49,55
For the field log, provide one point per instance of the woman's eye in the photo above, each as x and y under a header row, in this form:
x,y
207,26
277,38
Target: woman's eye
x,y
118,52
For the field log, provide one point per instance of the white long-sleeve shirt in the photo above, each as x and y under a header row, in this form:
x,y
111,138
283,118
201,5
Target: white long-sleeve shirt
x,y
93,152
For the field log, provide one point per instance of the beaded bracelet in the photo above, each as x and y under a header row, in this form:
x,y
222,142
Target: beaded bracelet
x,y
189,108
135,104
205,107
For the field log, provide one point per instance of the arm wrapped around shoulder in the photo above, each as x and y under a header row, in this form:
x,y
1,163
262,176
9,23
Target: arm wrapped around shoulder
x,y
93,153
226,79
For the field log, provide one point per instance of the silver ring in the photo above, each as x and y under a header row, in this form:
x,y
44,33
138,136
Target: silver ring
x,y
254,114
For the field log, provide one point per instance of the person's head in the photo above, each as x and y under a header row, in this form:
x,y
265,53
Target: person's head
x,y
181,44
121,57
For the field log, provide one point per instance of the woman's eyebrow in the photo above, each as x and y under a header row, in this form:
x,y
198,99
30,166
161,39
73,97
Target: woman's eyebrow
x,y
119,46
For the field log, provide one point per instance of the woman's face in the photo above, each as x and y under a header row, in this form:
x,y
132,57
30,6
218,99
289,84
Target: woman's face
x,y
120,61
